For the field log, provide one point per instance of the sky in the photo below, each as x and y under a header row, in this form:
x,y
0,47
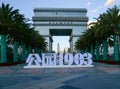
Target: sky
x,y
94,8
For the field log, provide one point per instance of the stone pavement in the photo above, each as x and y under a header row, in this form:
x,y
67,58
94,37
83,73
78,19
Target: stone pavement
x,y
102,76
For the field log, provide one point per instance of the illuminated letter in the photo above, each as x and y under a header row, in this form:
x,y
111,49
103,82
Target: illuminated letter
x,y
68,59
88,58
60,59
33,59
78,59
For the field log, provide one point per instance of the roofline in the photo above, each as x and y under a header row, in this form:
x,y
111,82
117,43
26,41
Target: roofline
x,y
60,9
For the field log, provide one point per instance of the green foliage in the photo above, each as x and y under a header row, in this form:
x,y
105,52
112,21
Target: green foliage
x,y
107,25
14,26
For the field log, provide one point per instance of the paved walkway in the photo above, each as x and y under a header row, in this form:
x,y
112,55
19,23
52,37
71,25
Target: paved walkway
x,y
102,76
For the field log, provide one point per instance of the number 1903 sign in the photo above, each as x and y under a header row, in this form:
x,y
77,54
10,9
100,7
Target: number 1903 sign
x,y
52,60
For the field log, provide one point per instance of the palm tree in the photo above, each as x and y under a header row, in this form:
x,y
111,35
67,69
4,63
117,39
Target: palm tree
x,y
107,26
6,18
16,33
114,21
33,39
103,33
86,40
14,26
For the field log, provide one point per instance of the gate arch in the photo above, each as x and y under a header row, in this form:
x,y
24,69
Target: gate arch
x,y
60,21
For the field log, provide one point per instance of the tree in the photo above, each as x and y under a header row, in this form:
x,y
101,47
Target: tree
x,y
114,21
109,27
13,25
105,29
6,19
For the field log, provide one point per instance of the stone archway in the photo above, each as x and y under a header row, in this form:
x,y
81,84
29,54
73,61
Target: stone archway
x,y
60,21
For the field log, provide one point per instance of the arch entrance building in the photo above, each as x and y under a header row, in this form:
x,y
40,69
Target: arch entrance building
x,y
60,22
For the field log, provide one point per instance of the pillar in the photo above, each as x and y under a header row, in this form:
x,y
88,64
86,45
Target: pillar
x,y
23,52
3,49
97,50
105,50
116,48
15,52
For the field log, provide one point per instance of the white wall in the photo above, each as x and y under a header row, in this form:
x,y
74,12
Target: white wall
x,y
77,30
43,30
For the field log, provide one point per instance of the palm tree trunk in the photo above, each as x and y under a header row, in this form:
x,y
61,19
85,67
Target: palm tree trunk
x,y
23,52
116,48
40,52
97,51
29,49
105,49
3,49
92,51
15,51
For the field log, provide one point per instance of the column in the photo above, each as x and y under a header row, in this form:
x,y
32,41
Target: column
x,y
3,49
15,52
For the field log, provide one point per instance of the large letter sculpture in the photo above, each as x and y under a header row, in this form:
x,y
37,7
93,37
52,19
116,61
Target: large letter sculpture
x,y
53,60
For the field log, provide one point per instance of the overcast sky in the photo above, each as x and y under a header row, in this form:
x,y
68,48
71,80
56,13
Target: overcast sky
x,y
94,7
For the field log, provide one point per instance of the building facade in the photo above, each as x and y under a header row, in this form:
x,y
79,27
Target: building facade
x,y
70,22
